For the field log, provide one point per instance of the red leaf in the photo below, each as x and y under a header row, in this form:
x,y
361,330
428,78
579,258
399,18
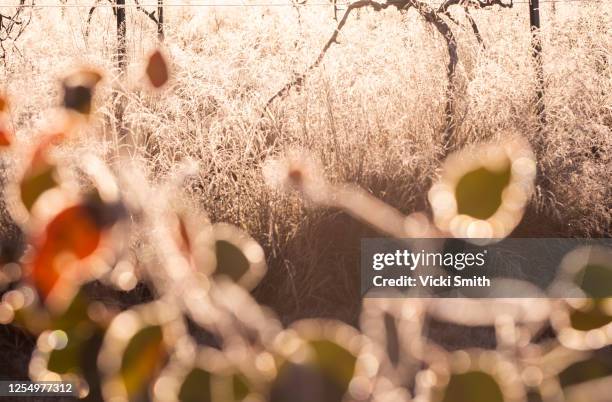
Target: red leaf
x,y
73,232
157,69
3,104
5,136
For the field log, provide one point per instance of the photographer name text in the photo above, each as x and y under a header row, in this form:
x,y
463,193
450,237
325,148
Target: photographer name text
x,y
407,260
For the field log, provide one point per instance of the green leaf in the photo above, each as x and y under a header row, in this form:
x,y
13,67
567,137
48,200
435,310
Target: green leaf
x,y
473,386
239,257
479,192
34,184
335,361
594,280
143,358
79,354
80,357
196,387
304,383
599,365
231,261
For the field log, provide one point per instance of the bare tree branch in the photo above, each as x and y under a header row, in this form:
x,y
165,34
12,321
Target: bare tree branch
x,y
474,3
444,9
150,14
89,16
299,79
429,14
13,26
474,26
433,17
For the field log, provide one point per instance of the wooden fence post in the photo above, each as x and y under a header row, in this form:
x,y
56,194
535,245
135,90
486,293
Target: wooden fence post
x,y
119,98
160,20
536,43
121,36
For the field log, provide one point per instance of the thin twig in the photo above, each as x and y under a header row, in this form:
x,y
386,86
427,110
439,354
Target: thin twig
x,y
89,16
150,14
299,79
429,14
15,27
474,26
444,9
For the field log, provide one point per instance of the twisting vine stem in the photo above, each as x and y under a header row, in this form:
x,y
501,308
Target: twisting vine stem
x,y
430,15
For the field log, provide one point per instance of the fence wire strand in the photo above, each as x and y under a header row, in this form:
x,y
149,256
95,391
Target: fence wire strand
x,y
287,4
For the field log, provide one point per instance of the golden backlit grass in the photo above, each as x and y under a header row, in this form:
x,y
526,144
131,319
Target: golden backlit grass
x,y
372,114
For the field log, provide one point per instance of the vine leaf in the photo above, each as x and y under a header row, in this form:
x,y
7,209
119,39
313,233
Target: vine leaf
x,y
76,355
136,348
6,137
37,180
239,257
198,386
157,69
483,191
328,365
78,90
479,192
41,174
72,234
472,386
142,360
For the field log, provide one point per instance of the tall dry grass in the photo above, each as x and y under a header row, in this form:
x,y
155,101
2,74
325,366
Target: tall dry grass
x,y
372,113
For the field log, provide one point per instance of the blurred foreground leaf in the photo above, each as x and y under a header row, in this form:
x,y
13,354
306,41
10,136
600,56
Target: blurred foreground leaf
x,y
239,257
326,365
198,387
136,347
304,383
474,386
157,69
36,182
597,366
584,320
335,361
72,235
6,138
479,192
78,90
143,358
483,190
230,260
77,357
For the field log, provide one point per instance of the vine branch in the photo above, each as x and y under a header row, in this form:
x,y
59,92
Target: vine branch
x,y
478,4
13,26
150,14
429,14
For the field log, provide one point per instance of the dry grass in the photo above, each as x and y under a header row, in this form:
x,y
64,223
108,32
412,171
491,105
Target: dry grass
x,y
372,114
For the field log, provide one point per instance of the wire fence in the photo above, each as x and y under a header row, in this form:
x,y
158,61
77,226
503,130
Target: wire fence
x,y
278,4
